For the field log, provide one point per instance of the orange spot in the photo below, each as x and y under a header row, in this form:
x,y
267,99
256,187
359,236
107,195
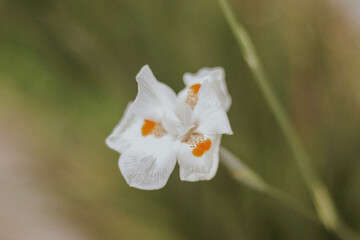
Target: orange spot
x,y
201,148
154,128
195,88
148,127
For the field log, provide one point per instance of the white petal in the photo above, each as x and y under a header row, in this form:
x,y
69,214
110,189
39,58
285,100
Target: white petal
x,y
148,163
209,113
154,98
216,77
183,94
116,140
127,132
194,168
180,121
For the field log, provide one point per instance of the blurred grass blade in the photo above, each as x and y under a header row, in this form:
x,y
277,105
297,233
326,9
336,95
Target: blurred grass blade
x,y
242,173
325,208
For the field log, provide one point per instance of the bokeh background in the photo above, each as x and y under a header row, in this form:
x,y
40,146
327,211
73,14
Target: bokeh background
x,y
67,71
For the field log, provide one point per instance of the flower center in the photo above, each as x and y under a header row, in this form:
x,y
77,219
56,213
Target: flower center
x,y
154,128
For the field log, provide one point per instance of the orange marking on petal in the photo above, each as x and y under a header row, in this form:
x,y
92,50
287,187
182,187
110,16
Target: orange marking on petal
x,y
148,127
154,128
192,95
195,88
202,147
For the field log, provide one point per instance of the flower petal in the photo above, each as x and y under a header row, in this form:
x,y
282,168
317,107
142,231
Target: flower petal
x,y
216,77
116,139
154,98
148,153
209,113
180,121
132,129
194,167
148,163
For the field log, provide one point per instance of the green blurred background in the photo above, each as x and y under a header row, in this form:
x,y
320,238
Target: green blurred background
x,y
67,71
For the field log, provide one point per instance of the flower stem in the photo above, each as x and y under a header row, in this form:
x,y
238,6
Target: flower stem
x,y
325,207
245,175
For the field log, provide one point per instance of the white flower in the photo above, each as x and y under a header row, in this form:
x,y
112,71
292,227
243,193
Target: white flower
x,y
160,128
